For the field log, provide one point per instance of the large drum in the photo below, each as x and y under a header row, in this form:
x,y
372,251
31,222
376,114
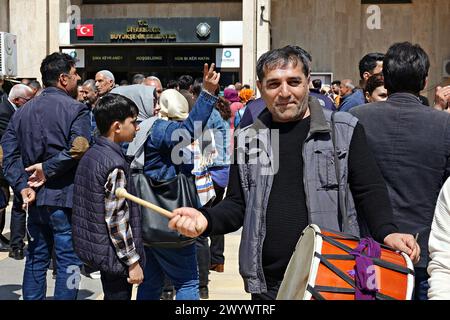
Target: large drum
x,y
322,268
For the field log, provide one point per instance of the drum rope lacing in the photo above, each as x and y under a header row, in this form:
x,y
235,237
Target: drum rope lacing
x,y
316,290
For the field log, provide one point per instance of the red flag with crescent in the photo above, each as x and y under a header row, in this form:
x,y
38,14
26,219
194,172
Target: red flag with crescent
x,y
85,30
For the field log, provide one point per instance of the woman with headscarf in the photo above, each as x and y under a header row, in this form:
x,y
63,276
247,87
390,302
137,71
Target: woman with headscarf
x,y
144,97
153,148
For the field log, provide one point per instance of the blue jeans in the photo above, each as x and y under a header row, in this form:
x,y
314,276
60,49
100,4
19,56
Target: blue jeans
x,y
179,265
50,227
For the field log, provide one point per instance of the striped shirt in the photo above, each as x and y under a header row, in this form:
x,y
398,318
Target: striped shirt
x,y
117,217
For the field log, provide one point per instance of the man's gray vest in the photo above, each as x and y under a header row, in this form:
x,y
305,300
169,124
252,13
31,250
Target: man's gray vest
x,y
256,156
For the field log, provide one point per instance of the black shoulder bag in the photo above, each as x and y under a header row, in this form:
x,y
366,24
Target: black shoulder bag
x,y
170,195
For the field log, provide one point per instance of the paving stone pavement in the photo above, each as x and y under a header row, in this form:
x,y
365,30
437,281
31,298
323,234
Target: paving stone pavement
x,y
222,286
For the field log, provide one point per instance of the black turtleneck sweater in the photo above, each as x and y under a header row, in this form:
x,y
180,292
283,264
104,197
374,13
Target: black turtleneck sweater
x,y
286,215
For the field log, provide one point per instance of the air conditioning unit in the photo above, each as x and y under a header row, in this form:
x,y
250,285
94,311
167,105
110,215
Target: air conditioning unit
x,y
8,55
446,69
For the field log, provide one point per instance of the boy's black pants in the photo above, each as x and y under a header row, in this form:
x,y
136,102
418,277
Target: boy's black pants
x,y
115,287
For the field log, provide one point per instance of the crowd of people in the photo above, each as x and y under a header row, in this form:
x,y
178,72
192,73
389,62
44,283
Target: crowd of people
x,y
189,145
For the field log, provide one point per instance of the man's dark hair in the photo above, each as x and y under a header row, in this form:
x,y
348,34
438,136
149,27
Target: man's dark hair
x,y
138,78
172,84
246,86
280,58
405,68
375,81
53,66
197,86
369,62
113,107
90,83
185,82
317,83
34,84
337,82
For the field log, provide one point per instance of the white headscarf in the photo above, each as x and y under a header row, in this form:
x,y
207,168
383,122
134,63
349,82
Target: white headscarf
x,y
174,106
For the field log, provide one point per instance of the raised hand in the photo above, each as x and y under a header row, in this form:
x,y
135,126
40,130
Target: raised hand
x,y
210,78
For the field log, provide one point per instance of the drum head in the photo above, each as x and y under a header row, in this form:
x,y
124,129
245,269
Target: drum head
x,y
297,275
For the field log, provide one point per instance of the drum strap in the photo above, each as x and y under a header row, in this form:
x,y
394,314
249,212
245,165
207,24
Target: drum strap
x,y
334,290
336,270
340,235
346,236
376,261
317,289
392,266
335,243
316,295
380,296
342,257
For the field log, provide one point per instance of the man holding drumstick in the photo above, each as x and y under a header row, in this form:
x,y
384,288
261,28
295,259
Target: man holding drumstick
x,y
284,177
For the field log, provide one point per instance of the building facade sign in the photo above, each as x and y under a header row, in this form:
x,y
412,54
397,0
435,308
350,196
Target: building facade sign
x,y
192,57
228,57
153,30
140,57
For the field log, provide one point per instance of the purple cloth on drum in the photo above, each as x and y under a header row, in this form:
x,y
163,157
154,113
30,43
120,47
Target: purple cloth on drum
x,y
365,277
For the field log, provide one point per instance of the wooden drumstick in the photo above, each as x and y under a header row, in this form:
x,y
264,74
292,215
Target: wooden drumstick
x,y
122,193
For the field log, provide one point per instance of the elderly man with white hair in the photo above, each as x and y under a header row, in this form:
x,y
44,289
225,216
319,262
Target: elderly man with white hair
x,y
153,81
18,96
104,81
347,89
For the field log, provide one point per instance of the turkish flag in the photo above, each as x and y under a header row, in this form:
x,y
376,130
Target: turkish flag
x,y
85,30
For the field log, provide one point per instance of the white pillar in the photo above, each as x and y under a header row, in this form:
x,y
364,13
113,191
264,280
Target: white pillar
x,y
53,22
249,42
28,21
4,15
263,27
256,37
